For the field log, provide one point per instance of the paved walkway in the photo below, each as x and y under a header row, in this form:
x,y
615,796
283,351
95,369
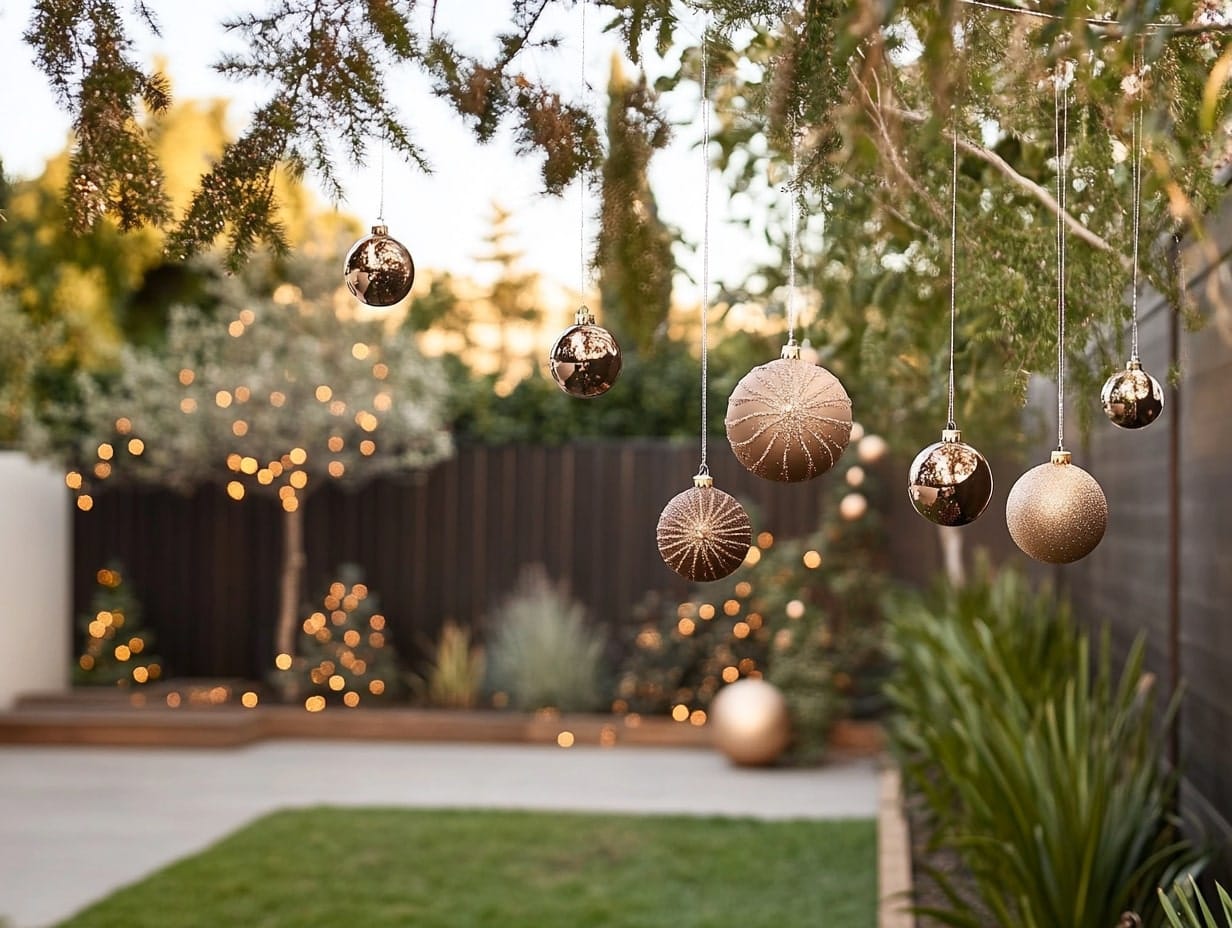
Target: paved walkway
x,y
76,823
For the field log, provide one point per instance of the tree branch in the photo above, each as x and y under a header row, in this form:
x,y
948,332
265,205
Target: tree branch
x,y
1025,183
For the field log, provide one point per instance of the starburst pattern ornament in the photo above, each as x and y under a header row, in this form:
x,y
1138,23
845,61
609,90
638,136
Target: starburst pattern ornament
x,y
704,534
789,420
379,269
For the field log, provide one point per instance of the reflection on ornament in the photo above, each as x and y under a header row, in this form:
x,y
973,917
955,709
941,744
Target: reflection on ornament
x,y
585,359
704,534
1057,512
749,722
789,420
871,449
378,269
949,482
1132,398
853,506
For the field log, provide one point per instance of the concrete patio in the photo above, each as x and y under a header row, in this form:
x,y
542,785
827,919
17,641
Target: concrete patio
x,y
78,822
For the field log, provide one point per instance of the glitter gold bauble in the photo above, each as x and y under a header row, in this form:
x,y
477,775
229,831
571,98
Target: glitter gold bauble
x,y
749,722
789,420
949,482
585,359
378,269
1132,398
704,534
1056,512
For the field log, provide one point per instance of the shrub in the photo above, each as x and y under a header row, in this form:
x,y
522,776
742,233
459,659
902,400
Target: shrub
x,y
542,651
454,676
1044,776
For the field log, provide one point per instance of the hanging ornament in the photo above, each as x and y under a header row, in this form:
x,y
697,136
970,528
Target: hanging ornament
x,y
1132,398
585,359
788,420
949,482
1057,512
704,534
378,269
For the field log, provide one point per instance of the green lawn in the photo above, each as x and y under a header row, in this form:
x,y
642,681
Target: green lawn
x,y
379,868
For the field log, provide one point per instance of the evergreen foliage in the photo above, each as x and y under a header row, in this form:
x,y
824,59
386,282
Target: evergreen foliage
x,y
344,654
116,650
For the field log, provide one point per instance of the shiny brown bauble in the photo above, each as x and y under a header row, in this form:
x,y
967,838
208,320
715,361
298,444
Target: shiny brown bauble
x,y
949,482
379,269
750,723
585,359
1132,398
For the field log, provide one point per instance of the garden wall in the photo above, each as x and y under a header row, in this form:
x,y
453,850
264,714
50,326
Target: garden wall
x,y
448,544
1165,565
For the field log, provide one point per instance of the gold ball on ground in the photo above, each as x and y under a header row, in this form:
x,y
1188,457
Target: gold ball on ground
x,y
585,360
1057,512
949,482
788,420
378,269
1132,398
703,533
749,722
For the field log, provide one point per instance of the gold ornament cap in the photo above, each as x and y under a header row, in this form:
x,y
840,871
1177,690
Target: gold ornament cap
x,y
951,435
584,316
790,352
703,481
1061,456
1134,364
380,229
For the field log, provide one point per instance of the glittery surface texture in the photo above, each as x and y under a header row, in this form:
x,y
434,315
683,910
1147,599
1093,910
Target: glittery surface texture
x,y
379,270
949,483
704,534
789,420
1056,513
585,360
1132,398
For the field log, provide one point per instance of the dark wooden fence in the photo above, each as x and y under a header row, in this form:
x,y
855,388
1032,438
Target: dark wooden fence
x,y
447,544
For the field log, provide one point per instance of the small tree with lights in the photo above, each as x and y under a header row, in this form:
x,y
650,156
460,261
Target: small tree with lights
x,y
273,397
805,614
344,654
116,650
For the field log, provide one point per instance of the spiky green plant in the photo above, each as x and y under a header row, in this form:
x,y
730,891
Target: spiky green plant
x,y
454,676
542,652
1187,916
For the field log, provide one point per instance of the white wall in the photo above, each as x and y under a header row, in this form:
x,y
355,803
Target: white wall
x,y
35,563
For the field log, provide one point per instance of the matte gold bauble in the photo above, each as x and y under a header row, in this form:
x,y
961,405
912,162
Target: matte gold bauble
x,y
749,722
378,269
1056,512
585,360
949,482
704,534
1132,398
789,420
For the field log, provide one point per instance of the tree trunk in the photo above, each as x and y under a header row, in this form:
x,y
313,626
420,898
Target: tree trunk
x,y
951,540
293,561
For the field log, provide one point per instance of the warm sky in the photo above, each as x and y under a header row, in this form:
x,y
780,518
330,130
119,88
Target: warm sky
x,y
442,217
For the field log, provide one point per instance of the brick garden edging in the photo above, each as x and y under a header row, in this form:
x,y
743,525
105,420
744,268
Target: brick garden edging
x,y
893,854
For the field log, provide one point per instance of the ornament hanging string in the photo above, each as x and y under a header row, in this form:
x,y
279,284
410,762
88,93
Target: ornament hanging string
x,y
1136,188
792,239
380,211
582,278
950,423
1060,101
705,301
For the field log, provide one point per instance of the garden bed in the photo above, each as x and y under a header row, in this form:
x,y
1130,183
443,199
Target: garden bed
x,y
145,718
